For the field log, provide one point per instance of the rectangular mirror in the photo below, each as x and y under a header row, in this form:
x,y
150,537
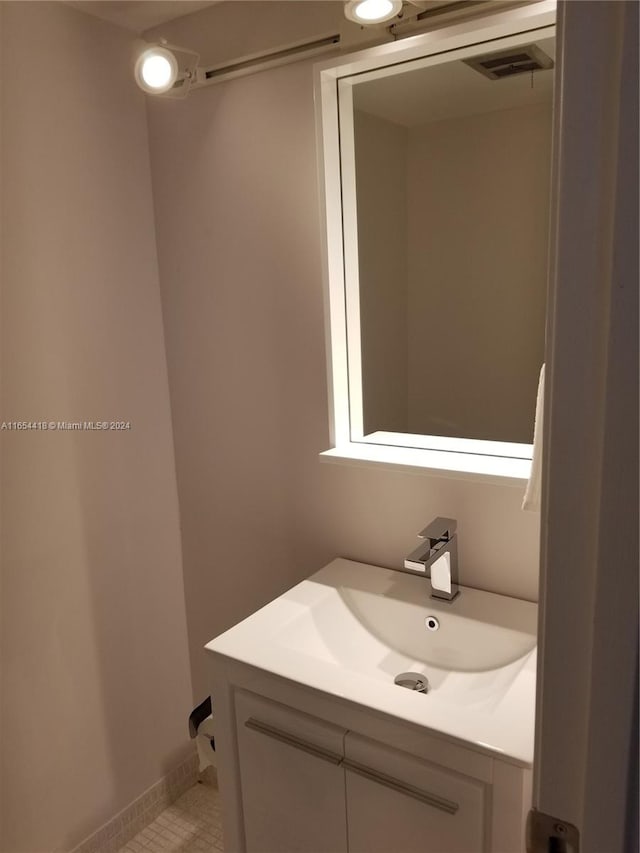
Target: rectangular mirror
x,y
443,161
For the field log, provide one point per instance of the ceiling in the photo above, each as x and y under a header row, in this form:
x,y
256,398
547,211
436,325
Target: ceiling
x,y
140,15
450,90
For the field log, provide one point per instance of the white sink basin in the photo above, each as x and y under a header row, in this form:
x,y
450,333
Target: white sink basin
x,y
373,623
350,629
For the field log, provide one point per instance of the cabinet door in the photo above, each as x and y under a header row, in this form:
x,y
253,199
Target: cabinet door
x,y
293,788
397,803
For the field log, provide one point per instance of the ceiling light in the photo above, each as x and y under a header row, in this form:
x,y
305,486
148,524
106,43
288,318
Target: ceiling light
x,y
371,11
156,70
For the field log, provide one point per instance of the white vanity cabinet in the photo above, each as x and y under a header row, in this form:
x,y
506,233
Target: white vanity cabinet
x,y
302,772
396,802
320,750
293,786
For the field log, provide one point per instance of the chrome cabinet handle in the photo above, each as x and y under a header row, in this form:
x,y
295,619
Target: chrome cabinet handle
x,y
402,787
291,740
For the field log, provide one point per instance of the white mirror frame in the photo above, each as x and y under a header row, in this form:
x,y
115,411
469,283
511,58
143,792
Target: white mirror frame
x,y
441,455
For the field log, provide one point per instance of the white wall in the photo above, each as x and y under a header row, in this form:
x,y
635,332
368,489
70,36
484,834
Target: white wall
x,y
95,672
381,162
478,195
238,232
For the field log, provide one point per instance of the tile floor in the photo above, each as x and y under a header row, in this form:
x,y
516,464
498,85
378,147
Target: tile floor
x,y
190,825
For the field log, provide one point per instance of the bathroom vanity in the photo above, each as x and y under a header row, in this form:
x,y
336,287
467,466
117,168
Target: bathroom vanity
x,y
320,749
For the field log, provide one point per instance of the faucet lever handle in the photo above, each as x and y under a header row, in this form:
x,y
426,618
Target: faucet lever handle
x,y
439,529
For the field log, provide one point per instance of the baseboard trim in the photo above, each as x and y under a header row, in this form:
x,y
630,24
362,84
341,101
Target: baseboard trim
x,y
142,811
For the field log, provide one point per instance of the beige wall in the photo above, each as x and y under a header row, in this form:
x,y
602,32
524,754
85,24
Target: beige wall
x,y
238,232
95,673
95,665
478,195
381,160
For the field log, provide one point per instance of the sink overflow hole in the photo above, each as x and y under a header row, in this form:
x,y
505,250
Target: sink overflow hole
x,y
412,681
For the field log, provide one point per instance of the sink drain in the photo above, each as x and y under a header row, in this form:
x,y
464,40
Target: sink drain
x,y
412,681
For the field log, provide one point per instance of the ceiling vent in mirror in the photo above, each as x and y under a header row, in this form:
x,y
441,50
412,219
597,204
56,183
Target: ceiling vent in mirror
x,y
507,63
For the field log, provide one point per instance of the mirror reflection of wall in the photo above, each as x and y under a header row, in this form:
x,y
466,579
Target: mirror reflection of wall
x,y
452,181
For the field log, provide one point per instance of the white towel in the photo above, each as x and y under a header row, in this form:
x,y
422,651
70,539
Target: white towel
x,y
534,487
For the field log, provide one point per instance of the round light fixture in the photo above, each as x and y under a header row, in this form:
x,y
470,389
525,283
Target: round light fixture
x,y
371,11
156,70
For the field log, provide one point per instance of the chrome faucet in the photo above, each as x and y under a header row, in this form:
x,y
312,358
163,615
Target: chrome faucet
x,y
440,540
